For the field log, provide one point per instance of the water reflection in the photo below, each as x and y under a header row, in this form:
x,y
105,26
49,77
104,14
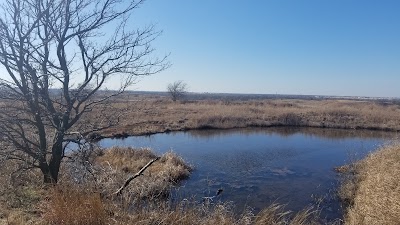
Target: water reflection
x,y
325,133
257,167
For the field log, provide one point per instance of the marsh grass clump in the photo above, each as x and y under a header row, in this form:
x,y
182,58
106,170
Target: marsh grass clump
x,y
373,192
156,182
276,214
68,205
126,159
174,166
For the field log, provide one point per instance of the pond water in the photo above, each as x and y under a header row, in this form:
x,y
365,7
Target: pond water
x,y
259,166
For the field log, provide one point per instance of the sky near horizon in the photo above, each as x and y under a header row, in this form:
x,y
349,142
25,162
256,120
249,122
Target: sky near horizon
x,y
299,47
318,47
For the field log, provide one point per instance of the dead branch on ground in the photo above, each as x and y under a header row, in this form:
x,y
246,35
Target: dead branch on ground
x,y
119,191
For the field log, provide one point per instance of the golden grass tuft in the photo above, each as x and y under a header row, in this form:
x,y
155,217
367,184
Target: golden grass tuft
x,y
175,167
120,163
129,160
68,205
374,192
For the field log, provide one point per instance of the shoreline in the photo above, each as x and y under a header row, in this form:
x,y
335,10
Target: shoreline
x,y
371,188
141,115
98,137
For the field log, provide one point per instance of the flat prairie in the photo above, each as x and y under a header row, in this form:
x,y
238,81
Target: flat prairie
x,y
141,115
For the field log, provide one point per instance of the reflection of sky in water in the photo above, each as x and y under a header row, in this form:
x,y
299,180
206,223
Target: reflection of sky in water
x,y
256,167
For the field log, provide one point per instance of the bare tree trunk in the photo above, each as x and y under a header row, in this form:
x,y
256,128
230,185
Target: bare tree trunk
x,y
47,178
56,157
54,167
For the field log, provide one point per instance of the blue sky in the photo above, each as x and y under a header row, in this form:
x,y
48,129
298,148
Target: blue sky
x,y
324,47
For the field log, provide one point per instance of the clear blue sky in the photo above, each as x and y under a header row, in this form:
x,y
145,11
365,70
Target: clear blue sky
x,y
322,47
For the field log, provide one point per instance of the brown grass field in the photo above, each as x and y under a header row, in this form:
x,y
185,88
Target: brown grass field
x,y
155,114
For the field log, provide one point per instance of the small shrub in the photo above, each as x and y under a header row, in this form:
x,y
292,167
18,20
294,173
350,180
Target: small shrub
x,y
290,119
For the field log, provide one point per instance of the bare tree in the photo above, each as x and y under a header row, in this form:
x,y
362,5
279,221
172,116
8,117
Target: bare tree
x,y
58,55
177,90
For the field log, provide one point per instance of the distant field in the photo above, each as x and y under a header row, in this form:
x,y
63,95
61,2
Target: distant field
x,y
232,96
141,114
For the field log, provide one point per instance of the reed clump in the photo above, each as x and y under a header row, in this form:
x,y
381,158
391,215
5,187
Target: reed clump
x,y
118,163
69,205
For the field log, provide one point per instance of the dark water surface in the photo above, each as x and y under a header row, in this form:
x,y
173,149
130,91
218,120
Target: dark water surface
x,y
257,167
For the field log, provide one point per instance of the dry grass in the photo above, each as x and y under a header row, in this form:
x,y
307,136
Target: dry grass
x,y
373,193
145,115
275,214
132,160
20,193
68,205
119,163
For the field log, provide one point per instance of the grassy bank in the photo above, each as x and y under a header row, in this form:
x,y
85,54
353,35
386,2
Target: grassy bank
x,y
85,195
372,190
145,115
86,188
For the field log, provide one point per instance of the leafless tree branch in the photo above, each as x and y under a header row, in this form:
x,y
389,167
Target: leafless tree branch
x,y
59,55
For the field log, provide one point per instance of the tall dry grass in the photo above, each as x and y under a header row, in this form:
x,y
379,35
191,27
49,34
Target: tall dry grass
x,y
69,205
119,163
20,194
145,115
373,192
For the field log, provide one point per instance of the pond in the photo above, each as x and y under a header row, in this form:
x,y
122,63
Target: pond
x,y
259,166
